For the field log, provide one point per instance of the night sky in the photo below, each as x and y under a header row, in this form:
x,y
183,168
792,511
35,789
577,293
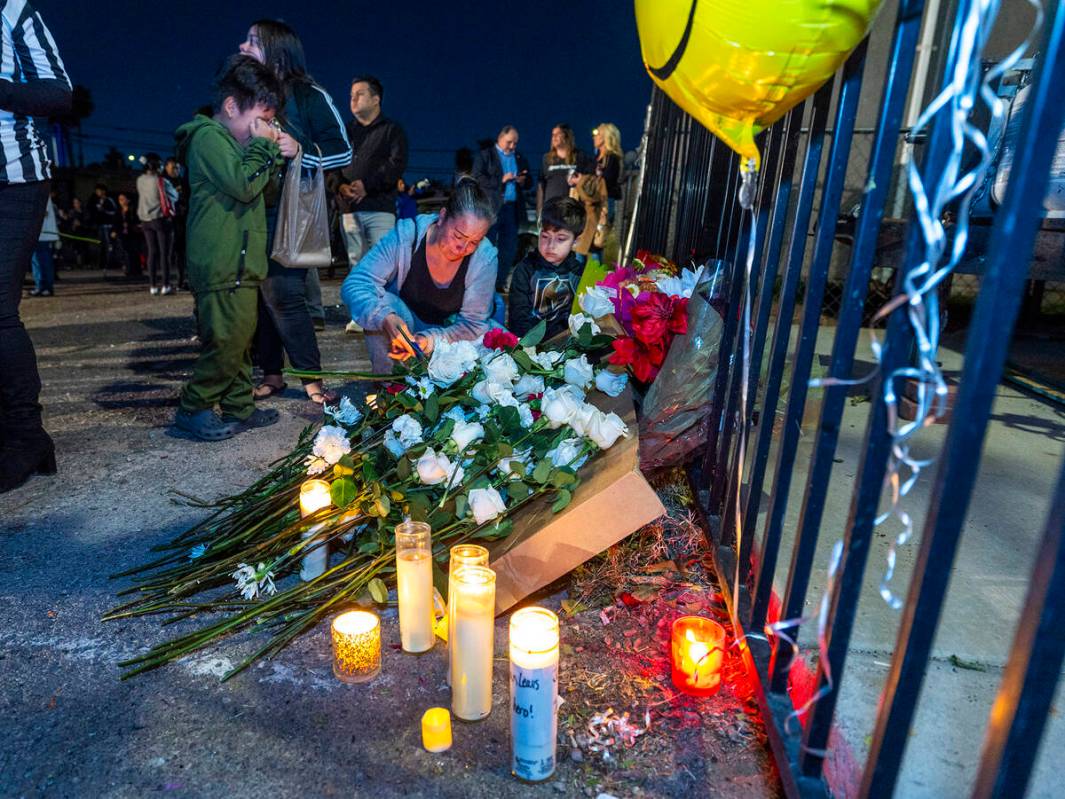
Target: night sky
x,y
453,72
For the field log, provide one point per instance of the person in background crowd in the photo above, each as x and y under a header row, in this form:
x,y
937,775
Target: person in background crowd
x,y
124,238
546,281
503,173
367,197
289,296
155,209
173,174
609,157
560,165
406,205
104,213
44,256
590,191
72,220
33,83
429,279
232,157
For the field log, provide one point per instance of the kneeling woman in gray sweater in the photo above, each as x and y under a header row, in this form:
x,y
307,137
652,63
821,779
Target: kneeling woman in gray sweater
x,y
430,279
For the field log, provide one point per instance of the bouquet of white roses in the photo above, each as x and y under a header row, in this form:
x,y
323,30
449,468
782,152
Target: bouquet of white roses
x,y
460,441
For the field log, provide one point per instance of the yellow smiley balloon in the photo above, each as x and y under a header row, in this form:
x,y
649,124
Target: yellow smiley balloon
x,y
738,66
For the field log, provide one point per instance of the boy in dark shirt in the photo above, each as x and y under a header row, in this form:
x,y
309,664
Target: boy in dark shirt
x,y
545,282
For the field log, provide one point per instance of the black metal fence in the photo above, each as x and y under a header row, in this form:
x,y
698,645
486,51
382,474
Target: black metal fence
x,y
689,212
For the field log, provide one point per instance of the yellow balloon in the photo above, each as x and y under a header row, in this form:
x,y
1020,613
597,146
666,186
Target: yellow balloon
x,y
738,66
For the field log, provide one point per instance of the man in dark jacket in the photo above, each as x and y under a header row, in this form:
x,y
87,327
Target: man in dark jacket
x,y
503,173
367,197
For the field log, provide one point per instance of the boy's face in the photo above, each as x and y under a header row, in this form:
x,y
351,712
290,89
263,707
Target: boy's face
x,y
240,123
555,244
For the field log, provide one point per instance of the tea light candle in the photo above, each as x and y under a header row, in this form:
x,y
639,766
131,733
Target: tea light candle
x,y
314,495
461,555
414,584
436,729
471,647
533,693
698,651
356,646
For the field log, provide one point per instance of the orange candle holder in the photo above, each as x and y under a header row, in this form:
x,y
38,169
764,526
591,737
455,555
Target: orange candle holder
x,y
356,646
698,649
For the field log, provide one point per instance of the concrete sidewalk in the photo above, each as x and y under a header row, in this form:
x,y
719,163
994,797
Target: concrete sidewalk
x,y
1021,460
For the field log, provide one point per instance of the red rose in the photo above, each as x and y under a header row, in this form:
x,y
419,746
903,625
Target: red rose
x,y
394,388
499,339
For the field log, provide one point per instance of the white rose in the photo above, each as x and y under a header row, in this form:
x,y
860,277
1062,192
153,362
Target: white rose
x,y
502,370
450,361
393,444
483,412
455,412
579,372
505,465
408,429
315,465
525,417
331,444
344,413
579,320
529,384
465,433
595,301
546,359
559,405
583,418
604,429
682,285
488,393
610,383
486,504
568,453
434,469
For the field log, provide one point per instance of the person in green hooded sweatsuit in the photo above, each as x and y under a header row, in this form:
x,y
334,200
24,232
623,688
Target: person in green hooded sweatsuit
x,y
231,157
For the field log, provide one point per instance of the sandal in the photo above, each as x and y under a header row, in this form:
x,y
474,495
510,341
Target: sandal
x,y
267,390
324,397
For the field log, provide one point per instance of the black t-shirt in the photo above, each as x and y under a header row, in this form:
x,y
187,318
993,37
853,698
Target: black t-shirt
x,y
432,303
554,173
609,169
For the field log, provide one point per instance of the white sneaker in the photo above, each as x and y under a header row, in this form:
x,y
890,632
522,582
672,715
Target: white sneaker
x,y
168,289
353,327
153,291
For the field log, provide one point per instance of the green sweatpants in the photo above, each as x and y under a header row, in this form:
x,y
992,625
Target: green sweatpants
x,y
222,373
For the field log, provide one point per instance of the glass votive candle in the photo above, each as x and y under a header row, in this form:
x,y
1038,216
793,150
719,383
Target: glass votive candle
x,y
698,648
471,648
436,729
461,555
414,584
314,495
356,646
533,693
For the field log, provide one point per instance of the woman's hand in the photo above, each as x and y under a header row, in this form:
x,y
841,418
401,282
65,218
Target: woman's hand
x,y
399,336
573,178
263,129
288,145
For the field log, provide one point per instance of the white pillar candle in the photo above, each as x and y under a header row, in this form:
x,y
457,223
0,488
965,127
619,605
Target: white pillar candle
x,y
414,583
533,693
461,555
314,495
471,648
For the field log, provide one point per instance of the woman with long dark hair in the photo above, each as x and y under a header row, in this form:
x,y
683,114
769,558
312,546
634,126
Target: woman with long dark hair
x,y
285,323
559,167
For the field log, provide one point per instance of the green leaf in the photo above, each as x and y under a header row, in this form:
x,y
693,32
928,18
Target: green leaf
x,y
378,590
345,460
534,336
522,359
518,489
561,478
403,468
343,492
542,472
503,450
382,506
584,335
418,507
571,607
563,500
432,408
460,505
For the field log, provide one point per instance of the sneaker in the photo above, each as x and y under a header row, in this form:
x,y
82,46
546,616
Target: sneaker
x,y
260,417
153,291
205,425
168,290
45,293
353,327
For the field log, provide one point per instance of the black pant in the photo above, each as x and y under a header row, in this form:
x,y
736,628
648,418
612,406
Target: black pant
x,y
504,235
22,208
285,323
159,238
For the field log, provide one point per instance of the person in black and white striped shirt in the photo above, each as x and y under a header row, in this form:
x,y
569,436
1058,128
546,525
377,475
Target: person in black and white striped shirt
x,y
33,82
